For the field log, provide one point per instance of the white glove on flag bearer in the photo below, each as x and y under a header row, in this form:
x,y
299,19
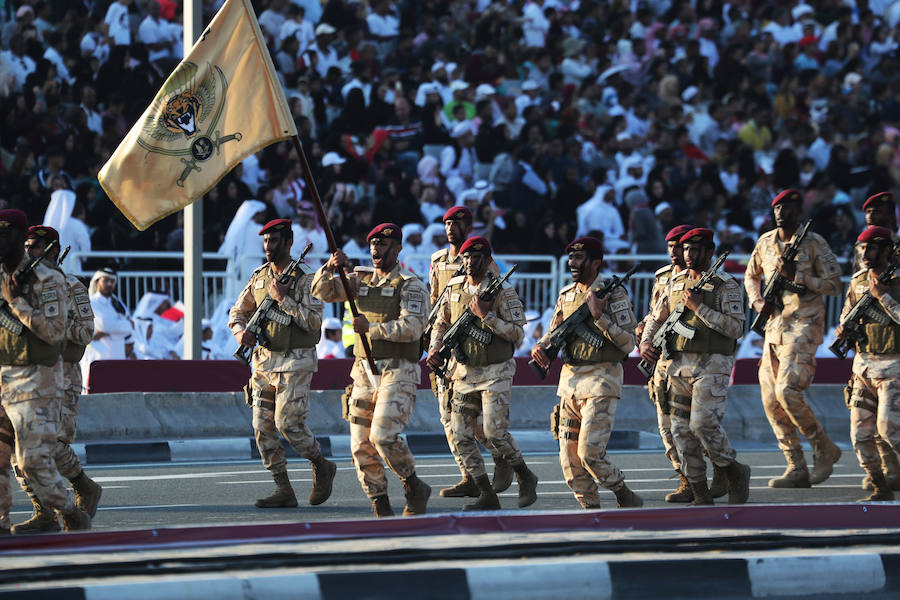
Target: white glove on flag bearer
x,y
222,103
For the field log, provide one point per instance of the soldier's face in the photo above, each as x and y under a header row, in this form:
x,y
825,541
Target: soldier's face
x,y
276,246
384,253
457,231
582,268
34,247
874,254
475,264
879,214
696,256
787,214
676,253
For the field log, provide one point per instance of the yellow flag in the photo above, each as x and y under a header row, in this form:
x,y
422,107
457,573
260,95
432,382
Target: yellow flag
x,y
222,103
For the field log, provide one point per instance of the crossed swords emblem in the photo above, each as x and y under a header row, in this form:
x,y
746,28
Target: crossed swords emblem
x,y
201,149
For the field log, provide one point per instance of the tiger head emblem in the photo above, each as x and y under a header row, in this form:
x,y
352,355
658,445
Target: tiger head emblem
x,y
182,113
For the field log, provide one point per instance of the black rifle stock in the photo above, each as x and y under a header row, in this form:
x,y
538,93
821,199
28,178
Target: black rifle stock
x,y
864,311
673,325
454,335
260,319
559,336
777,283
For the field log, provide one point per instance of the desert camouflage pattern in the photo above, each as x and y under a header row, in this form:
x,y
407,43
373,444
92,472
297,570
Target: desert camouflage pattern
x,y
291,391
445,404
494,407
442,268
303,307
7,437
803,318
66,461
660,378
81,315
785,371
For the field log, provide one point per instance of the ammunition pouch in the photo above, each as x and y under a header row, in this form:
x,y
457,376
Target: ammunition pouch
x,y
466,404
263,399
681,406
569,429
345,402
364,405
865,400
554,420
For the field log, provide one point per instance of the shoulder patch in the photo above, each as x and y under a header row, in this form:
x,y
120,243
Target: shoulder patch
x,y
663,270
440,255
679,275
407,274
260,268
567,288
456,280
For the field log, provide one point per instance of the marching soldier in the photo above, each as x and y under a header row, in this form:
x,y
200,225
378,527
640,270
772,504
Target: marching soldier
x,y
482,384
590,383
282,370
444,264
700,368
393,309
879,211
78,336
876,366
792,335
33,326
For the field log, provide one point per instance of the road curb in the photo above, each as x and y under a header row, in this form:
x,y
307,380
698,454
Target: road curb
x,y
752,577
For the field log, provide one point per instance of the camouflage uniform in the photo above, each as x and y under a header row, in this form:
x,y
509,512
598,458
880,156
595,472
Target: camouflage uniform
x,y
589,392
378,414
698,381
792,336
487,387
7,443
281,375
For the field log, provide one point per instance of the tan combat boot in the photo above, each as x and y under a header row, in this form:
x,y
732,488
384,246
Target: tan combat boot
x,y
87,493
796,475
417,494
283,497
75,520
882,492
503,475
626,498
738,475
488,499
42,521
527,485
719,485
323,479
825,454
381,506
590,502
701,494
683,493
464,489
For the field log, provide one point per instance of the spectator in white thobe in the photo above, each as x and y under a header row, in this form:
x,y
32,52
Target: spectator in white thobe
x,y
112,326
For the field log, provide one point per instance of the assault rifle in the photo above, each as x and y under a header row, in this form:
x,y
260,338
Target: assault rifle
x,y
266,312
465,325
864,311
576,324
62,256
432,316
673,325
7,319
778,283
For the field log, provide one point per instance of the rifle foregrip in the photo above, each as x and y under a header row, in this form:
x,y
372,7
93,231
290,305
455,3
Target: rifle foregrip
x,y
243,354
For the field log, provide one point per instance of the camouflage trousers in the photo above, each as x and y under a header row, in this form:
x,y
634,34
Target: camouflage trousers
x,y
874,414
31,397
585,425
785,371
377,418
494,408
659,394
7,440
281,404
66,460
698,406
444,396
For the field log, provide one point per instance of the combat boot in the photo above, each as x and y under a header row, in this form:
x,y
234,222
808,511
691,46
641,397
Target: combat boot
x,y
503,475
323,478
590,502
719,485
626,498
87,493
283,497
527,485
701,494
381,506
796,475
890,466
464,489
75,520
683,493
738,475
882,492
825,454
488,499
417,494
42,521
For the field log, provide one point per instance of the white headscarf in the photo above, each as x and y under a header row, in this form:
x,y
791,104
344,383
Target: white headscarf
x,y
428,246
237,234
59,211
419,266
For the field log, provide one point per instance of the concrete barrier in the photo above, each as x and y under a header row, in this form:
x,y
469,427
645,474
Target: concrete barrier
x,y
128,416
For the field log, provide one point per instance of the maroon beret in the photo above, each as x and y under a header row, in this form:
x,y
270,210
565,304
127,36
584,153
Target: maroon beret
x,y
476,244
885,197
789,194
12,217
676,232
585,242
457,213
698,234
386,230
275,225
875,234
42,232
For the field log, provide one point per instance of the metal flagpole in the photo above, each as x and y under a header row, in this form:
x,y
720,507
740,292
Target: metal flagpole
x,y
193,220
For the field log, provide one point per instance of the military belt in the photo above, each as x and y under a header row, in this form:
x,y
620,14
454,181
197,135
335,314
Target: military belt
x,y
479,335
360,421
267,404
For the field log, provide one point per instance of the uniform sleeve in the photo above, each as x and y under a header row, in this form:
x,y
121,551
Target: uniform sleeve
x,y
891,307
729,319
243,309
81,316
753,277
654,296
658,314
43,309
327,287
825,277
555,321
441,324
508,317
849,300
617,321
433,282
302,306
410,325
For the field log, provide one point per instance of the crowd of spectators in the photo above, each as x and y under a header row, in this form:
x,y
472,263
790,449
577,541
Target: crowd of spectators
x,y
549,118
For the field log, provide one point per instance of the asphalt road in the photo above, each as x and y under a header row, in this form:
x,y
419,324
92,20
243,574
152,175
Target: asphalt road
x,y
162,495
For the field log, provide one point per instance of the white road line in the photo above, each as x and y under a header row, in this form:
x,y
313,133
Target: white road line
x,y
146,507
